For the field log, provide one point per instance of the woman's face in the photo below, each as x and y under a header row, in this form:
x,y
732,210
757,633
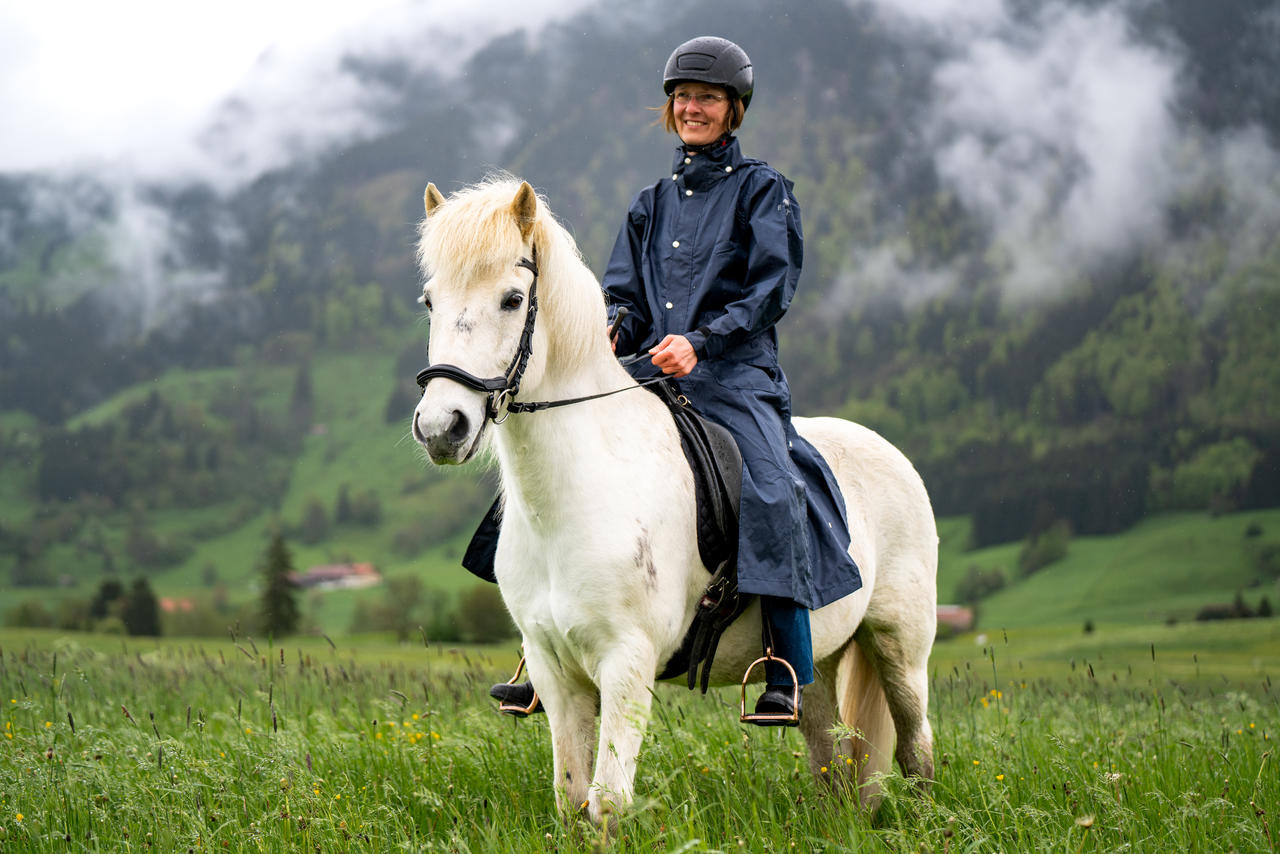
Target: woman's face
x,y
701,112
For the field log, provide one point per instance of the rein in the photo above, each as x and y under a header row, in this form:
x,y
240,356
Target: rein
x,y
502,389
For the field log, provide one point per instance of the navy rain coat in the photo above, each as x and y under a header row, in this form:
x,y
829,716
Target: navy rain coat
x,y
713,253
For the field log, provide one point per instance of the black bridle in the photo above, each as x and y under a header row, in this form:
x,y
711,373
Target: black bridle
x,y
502,389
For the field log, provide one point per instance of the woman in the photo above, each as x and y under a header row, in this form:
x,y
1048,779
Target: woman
x,y
706,264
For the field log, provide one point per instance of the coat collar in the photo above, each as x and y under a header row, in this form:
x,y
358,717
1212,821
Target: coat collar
x,y
712,162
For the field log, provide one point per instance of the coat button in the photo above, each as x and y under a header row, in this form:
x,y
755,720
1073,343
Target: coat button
x,y
675,244
728,168
688,160
670,305
674,177
688,192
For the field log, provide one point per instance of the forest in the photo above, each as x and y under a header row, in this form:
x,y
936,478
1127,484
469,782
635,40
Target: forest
x,y
1064,364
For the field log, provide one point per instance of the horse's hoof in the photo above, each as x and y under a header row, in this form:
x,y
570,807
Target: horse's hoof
x,y
778,707
518,700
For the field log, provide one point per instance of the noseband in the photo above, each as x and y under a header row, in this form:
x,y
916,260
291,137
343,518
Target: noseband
x,y
500,389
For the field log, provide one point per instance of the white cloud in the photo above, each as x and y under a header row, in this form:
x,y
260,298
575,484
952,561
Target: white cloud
x,y
137,81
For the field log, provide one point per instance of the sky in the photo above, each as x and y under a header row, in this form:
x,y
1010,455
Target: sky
x,y
136,82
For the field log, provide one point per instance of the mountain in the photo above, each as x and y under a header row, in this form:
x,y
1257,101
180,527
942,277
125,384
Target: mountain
x,y
1041,256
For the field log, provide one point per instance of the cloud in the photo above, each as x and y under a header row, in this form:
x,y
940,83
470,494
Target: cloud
x,y
220,91
1057,127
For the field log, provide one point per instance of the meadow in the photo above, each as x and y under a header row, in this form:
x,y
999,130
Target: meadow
x,y
1141,739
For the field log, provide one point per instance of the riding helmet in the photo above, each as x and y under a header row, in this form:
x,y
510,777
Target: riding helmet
x,y
709,59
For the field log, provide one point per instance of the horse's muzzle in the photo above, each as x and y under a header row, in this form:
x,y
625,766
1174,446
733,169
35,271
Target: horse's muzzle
x,y
450,437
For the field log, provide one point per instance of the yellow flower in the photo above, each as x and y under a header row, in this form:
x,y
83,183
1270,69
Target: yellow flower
x,y
48,724
435,735
1250,726
248,730
18,817
824,769
337,797
848,762
977,762
415,716
999,777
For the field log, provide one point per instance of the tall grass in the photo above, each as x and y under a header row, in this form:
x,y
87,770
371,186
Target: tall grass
x,y
240,747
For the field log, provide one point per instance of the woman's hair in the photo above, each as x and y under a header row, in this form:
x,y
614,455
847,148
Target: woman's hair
x,y
667,114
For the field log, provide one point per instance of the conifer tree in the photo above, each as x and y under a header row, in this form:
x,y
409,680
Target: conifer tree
x,y
279,603
141,612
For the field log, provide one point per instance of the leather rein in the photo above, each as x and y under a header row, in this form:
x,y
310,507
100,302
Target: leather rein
x,y
501,390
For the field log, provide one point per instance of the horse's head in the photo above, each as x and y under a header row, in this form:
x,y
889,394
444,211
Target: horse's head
x,y
478,256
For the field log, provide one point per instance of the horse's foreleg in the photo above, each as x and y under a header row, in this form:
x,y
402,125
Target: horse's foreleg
x,y
626,685
571,713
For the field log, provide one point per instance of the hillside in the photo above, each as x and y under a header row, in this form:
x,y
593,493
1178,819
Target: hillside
x,y
1062,312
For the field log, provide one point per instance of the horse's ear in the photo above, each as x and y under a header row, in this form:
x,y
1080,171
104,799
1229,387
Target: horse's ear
x,y
525,208
432,198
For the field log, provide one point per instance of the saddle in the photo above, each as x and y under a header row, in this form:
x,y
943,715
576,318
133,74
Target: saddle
x,y
716,465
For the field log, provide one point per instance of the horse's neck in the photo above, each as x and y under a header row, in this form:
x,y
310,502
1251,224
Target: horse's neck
x,y
557,458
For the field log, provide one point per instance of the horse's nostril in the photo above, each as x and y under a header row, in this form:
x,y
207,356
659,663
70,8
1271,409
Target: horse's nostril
x,y
459,427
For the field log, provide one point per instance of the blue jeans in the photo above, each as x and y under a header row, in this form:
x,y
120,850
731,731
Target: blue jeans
x,y
788,623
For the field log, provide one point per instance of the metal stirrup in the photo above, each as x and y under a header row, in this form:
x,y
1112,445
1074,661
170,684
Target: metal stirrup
x,y
776,718
516,708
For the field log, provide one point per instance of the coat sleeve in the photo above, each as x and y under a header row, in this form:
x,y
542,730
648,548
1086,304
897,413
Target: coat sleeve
x,y
623,281
773,245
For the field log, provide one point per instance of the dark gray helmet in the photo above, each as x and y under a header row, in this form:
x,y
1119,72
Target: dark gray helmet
x,y
709,59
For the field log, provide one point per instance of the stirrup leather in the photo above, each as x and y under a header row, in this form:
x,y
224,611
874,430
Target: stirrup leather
x,y
792,719
515,708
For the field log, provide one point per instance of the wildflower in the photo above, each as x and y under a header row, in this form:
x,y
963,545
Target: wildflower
x,y
18,818
435,735
248,730
1251,726
316,790
1085,821
48,724
415,716
848,761
824,769
977,762
999,778
337,797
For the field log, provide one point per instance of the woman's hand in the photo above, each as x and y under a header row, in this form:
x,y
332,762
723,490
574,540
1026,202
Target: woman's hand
x,y
675,356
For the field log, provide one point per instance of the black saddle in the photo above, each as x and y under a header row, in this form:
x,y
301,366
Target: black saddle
x,y
716,465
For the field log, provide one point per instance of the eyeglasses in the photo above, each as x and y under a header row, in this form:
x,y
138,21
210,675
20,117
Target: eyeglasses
x,y
703,99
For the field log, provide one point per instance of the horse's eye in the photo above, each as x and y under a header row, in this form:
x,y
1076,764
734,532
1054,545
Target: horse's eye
x,y
426,302
513,301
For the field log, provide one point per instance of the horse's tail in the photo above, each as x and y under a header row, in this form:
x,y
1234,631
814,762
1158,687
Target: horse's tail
x,y
864,710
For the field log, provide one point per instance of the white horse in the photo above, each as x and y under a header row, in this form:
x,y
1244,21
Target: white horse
x,y
598,559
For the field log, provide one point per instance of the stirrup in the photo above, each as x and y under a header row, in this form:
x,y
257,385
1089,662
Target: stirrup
x,y
515,708
764,718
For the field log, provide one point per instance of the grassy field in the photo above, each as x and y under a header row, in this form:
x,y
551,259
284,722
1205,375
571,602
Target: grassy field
x,y
1045,741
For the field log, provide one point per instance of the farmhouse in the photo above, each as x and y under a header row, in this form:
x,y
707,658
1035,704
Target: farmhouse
x,y
337,576
958,617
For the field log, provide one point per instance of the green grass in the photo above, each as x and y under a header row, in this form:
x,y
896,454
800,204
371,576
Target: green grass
x,y
115,745
1168,566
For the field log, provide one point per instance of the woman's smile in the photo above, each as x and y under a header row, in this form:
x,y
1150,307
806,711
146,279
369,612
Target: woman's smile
x,y
701,112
